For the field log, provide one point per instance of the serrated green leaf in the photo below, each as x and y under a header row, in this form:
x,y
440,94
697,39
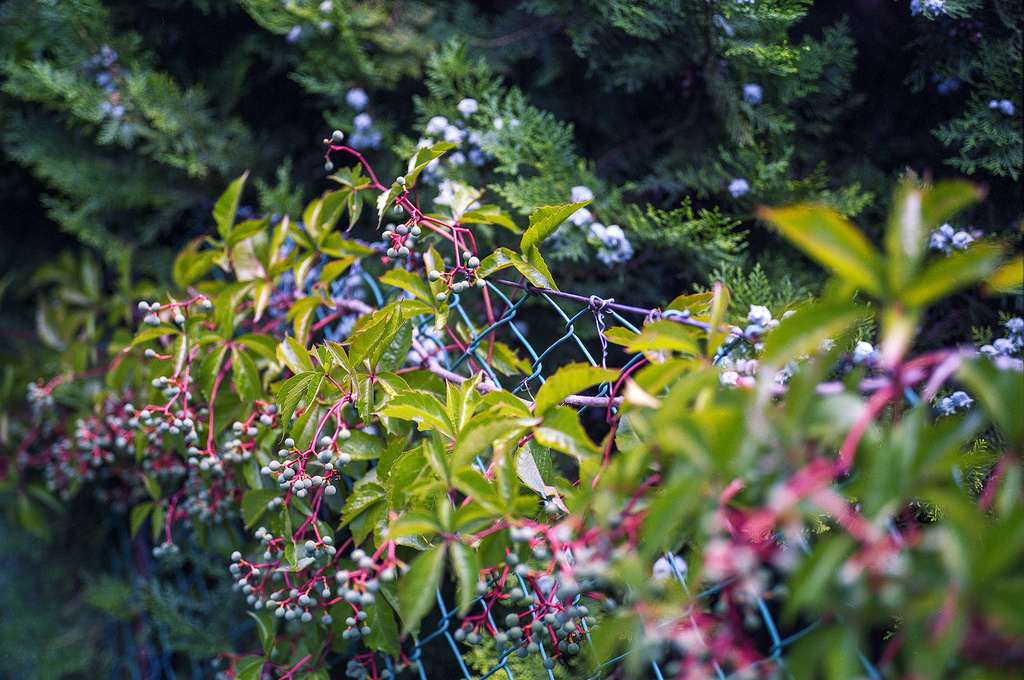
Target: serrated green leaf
x,y
471,483
249,668
294,355
545,221
569,380
620,336
227,206
209,369
489,214
179,353
301,316
152,487
263,345
154,333
496,261
533,467
417,589
334,269
422,408
290,392
363,495
479,433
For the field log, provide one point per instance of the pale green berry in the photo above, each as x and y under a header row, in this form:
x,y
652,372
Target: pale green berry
x,y
338,137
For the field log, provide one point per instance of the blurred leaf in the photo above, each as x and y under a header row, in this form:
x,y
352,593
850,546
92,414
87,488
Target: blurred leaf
x,y
826,237
947,275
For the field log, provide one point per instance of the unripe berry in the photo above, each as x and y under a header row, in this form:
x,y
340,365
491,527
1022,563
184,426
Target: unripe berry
x,y
434,275
400,180
337,137
329,166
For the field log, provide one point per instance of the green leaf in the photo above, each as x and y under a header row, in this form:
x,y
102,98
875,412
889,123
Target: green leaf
x,y
422,408
247,376
294,355
535,272
140,513
1001,394
334,269
470,482
249,668
545,221
467,573
362,446
263,345
179,353
227,206
154,333
561,430
1009,278
665,336
364,494
569,380
209,369
254,504
947,275
245,230
417,590
152,487
409,282
533,466
489,214
804,331
482,430
301,315
191,263
829,239
290,392
383,630
414,524
265,628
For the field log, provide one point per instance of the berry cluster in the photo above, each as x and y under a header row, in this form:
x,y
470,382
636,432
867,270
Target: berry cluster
x,y
106,71
303,471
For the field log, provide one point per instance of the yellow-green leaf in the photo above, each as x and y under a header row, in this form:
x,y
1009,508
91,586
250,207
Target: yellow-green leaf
x,y
829,239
